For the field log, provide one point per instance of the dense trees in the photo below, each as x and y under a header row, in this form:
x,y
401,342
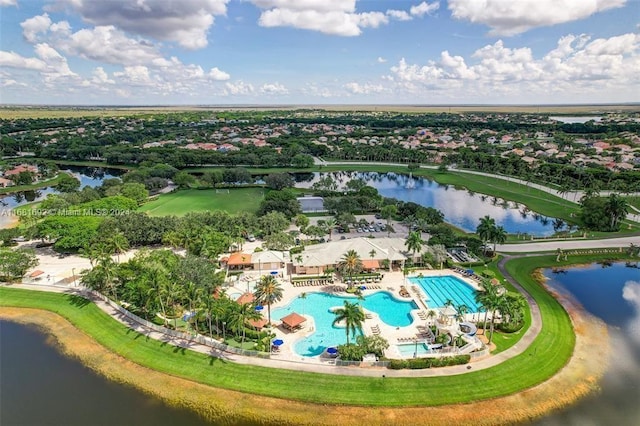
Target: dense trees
x,y
603,214
15,263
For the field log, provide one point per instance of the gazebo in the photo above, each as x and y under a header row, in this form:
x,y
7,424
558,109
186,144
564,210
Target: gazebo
x,y
293,321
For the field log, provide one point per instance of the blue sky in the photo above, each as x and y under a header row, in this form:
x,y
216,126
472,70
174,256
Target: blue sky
x,y
186,52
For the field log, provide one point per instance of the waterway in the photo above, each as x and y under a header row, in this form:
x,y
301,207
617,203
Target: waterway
x,y
460,207
88,176
40,386
612,293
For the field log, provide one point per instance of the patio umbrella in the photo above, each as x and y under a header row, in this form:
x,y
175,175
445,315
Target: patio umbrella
x,y
274,272
332,351
470,271
259,308
278,342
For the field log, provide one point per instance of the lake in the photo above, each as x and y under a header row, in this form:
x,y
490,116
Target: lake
x,y
611,293
41,386
88,176
460,207
576,119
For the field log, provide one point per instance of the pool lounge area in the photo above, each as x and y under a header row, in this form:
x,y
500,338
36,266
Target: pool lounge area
x,y
399,319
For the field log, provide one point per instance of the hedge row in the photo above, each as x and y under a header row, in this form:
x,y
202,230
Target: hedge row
x,y
420,363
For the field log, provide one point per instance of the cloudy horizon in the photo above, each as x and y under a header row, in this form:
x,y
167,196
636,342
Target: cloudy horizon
x,y
308,52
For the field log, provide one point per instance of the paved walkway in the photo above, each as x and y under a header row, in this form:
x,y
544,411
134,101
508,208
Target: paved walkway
x,y
533,246
311,367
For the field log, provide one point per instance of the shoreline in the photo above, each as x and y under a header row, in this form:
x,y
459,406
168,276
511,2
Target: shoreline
x,y
578,378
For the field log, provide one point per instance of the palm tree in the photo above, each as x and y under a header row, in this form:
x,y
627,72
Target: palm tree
x,y
118,244
372,253
499,236
330,224
414,242
350,264
485,229
303,297
352,315
617,208
268,291
193,294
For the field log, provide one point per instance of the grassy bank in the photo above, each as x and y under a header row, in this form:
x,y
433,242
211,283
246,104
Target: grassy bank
x,y
552,347
33,186
182,202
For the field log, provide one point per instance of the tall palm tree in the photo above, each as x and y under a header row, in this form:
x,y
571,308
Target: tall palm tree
x,y
350,264
330,225
268,291
485,229
617,209
414,242
118,244
352,315
499,236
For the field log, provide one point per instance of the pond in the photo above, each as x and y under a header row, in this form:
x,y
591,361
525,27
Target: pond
x,y
460,207
612,293
88,176
41,386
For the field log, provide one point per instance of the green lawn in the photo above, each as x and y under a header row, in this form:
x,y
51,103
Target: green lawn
x,y
552,349
194,200
43,184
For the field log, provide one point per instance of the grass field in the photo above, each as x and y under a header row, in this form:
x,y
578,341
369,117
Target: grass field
x,y
43,184
194,200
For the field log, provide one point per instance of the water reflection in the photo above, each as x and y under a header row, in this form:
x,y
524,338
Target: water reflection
x,y
612,293
88,176
461,208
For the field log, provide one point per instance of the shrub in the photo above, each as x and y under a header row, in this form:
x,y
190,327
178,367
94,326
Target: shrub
x,y
510,327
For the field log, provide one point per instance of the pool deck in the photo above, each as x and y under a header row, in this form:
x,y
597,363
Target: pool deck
x,y
391,282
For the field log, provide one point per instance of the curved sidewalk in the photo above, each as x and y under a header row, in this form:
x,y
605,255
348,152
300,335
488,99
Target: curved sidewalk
x,y
484,363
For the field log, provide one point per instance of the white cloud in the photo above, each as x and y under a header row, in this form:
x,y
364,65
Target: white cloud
x,y
33,26
631,293
186,22
14,60
5,3
274,89
381,60
110,45
496,71
101,77
238,88
399,15
363,89
218,75
507,17
335,17
424,8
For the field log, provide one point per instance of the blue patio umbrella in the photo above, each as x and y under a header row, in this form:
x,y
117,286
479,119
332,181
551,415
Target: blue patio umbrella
x,y
259,308
274,272
332,351
470,271
278,342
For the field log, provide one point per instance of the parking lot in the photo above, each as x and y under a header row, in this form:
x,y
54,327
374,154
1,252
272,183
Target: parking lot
x,y
375,229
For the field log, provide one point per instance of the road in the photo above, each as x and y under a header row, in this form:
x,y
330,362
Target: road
x,y
567,245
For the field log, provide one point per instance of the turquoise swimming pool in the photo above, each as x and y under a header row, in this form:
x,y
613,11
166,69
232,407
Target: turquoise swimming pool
x,y
391,311
441,289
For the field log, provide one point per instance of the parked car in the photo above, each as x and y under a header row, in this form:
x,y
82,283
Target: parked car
x,y
251,238
378,216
